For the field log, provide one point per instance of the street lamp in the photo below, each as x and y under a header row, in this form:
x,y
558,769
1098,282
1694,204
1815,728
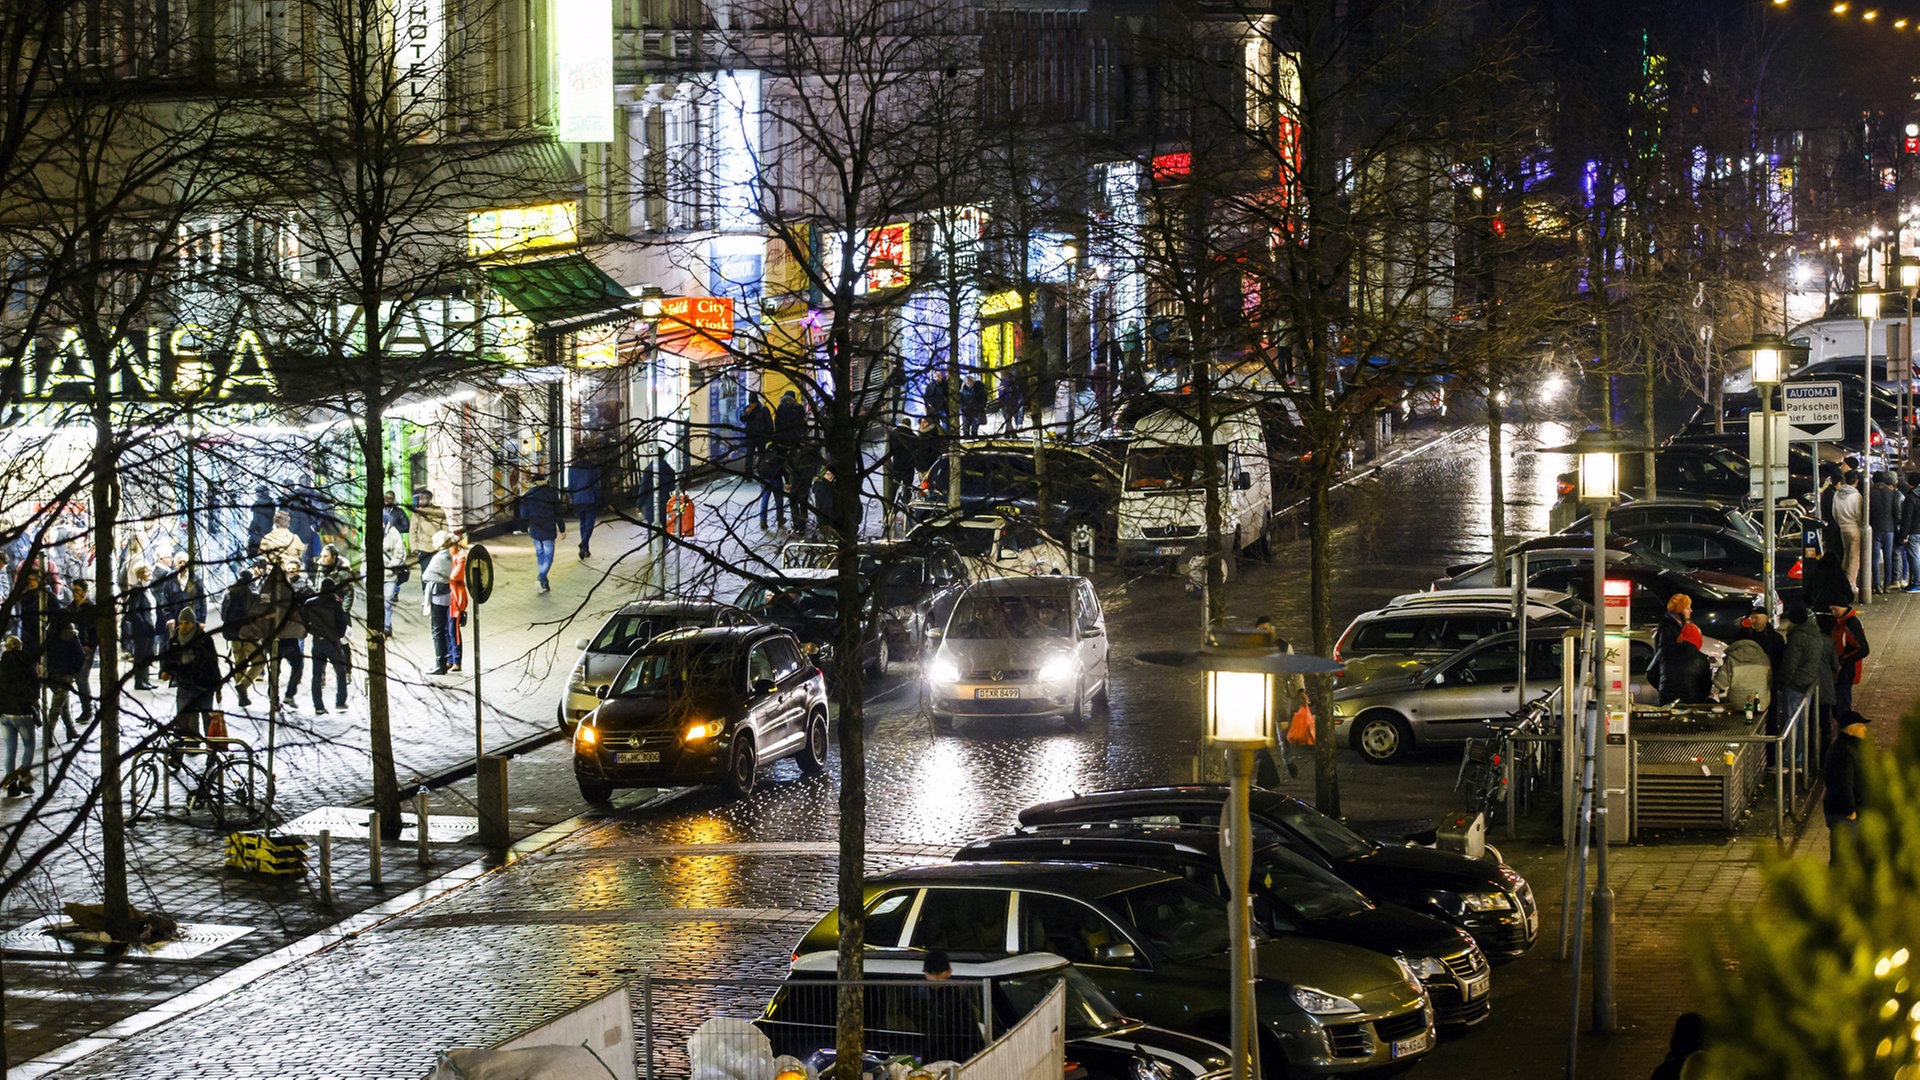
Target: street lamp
x,y
1909,270
1771,356
1866,306
1241,668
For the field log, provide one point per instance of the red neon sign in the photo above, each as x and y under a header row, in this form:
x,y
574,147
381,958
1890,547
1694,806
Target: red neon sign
x,y
1171,167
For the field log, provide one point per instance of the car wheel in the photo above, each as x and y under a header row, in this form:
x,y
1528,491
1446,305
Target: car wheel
x,y
1381,736
566,728
1102,704
878,669
1263,547
813,753
1077,719
595,793
741,767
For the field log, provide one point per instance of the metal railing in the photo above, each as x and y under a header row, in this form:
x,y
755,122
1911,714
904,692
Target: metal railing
x,y
1794,748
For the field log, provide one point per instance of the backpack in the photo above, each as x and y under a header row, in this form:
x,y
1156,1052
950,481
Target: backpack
x,y
233,611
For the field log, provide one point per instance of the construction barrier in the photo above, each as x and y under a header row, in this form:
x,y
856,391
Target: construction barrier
x,y
259,853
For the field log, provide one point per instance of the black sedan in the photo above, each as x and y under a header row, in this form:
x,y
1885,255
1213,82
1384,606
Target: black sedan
x,y
700,707
919,579
807,602
1083,485
1710,547
1485,898
1718,606
1291,895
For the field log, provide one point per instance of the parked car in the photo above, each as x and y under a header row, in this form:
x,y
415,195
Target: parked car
x,y
1469,694
1163,499
1392,639
904,1018
701,707
1027,647
1720,601
603,655
1569,605
1156,945
807,602
1291,895
1710,547
996,476
1801,471
917,579
1669,509
996,545
1484,897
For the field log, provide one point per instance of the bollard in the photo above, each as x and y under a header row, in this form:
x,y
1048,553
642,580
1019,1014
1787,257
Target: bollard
x,y
492,779
420,824
373,849
326,867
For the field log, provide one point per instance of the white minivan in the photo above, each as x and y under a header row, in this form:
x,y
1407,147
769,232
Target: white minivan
x,y
1163,501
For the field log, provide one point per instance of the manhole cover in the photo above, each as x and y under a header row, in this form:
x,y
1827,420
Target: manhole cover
x,y
195,939
350,823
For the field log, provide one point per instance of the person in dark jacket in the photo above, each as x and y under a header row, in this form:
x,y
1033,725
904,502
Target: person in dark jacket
x,y
1883,520
1824,580
824,500
772,474
789,424
903,454
757,427
1688,675
1850,645
66,660
326,620
939,399
192,665
1910,528
1665,633
393,515
540,509
264,506
33,610
803,467
19,701
1689,1038
973,407
1799,672
138,626
583,490
1846,780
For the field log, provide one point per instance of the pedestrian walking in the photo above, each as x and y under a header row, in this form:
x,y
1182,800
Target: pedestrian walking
x,y
84,614
282,544
583,490
772,476
246,621
1845,777
193,667
1850,645
394,566
65,662
393,515
33,610
287,592
757,424
897,468
1688,1040
973,407
457,600
1687,675
939,400
19,702
540,509
137,626
1910,529
439,593
1883,518
666,484
262,521
325,614
1010,402
803,467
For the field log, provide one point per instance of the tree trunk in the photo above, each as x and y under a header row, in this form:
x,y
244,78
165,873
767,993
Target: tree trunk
x,y
841,433
1326,778
1213,572
117,912
1497,473
386,782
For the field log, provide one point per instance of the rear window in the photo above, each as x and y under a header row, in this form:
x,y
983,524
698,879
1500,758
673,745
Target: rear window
x,y
1393,635
963,921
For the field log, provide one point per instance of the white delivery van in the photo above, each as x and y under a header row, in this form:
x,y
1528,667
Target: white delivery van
x,y
1163,500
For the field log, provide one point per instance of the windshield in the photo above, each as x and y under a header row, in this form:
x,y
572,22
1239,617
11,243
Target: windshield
x,y
1177,920
1644,555
678,669
988,615
814,600
1331,838
904,583
973,541
1089,1013
1159,468
625,633
1304,887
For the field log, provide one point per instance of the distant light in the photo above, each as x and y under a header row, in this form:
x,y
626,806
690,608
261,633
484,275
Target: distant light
x,y
1478,191
1870,16
1898,24
1839,9
1912,129
1802,273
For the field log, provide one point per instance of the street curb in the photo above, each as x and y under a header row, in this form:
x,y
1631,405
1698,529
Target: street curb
x,y
345,930
453,774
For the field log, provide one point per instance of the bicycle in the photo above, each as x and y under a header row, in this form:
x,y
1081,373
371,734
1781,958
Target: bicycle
x,y
220,776
1482,772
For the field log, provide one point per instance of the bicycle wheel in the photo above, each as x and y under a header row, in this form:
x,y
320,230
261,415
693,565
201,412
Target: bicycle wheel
x,y
237,793
145,773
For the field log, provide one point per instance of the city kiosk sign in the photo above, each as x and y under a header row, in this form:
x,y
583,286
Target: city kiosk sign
x,y
708,316
188,360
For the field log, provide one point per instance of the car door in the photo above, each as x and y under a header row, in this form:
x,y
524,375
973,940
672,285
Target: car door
x,y
1468,691
1095,944
1090,637
769,706
794,675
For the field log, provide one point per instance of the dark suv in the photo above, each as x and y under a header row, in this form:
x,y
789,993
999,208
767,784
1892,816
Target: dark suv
x,y
1484,898
704,706
1291,895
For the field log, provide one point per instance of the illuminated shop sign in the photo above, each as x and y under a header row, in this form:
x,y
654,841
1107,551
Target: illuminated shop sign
x,y
709,316
159,363
885,266
583,72
419,55
516,229
1165,167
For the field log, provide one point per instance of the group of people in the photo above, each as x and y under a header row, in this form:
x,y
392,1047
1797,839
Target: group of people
x,y
1891,510
973,402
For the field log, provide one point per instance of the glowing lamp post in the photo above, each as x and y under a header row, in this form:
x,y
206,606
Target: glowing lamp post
x,y
1241,669
1866,305
1772,356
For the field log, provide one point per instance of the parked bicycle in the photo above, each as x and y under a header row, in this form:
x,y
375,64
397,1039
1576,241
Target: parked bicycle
x,y
1484,761
215,776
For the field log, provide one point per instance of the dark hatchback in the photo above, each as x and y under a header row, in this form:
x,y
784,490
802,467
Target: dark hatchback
x,y
1485,898
919,580
1083,484
704,706
1291,895
806,601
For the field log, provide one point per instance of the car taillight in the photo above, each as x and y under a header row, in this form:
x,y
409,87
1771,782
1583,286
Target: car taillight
x,y
1876,438
1565,488
1795,572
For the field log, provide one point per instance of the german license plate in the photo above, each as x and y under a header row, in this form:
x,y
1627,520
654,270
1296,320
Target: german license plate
x,y
637,757
1408,1047
986,693
1169,549
1533,922
1477,988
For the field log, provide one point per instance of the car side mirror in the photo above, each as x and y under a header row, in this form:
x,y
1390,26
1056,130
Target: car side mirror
x,y
1438,678
765,686
580,643
1243,481
1094,632
602,691
934,633
1121,953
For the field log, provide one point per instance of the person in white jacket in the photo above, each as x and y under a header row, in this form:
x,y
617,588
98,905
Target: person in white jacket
x,y
1849,511
394,557
1745,675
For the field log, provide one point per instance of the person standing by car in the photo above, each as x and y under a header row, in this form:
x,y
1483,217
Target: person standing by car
x,y
1846,780
1679,615
540,509
1687,678
1850,645
193,667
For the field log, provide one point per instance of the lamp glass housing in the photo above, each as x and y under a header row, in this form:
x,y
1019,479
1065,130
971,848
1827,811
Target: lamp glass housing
x,y
1240,707
1766,366
1867,305
1599,476
1910,273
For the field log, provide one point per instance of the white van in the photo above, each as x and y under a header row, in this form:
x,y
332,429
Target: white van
x,y
1163,500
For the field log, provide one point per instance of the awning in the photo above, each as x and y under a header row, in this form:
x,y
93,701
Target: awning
x,y
561,294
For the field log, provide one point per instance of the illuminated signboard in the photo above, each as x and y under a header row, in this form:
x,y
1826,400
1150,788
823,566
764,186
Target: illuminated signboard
x,y
419,55
885,266
583,71
597,346
709,316
516,229
999,303
1167,167
186,361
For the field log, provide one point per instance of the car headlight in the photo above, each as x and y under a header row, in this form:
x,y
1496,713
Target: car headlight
x,y
943,670
1320,1003
1485,901
1057,670
1426,967
701,729
1145,1068
585,735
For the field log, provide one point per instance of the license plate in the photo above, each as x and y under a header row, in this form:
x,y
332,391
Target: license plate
x,y
1533,922
1408,1047
637,757
1476,988
1169,549
989,692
